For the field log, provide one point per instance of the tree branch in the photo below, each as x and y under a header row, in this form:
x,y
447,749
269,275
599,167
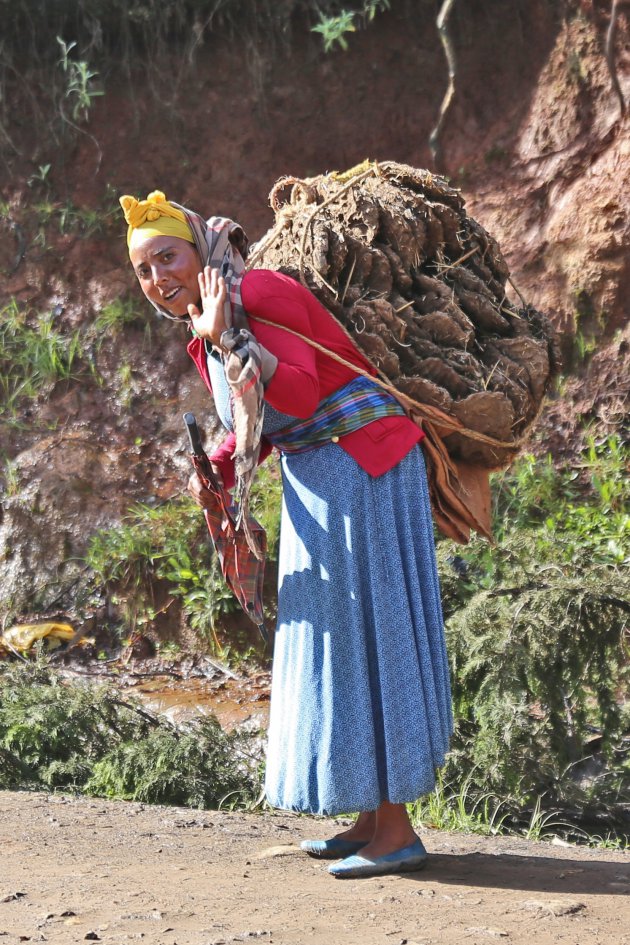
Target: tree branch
x,y
449,52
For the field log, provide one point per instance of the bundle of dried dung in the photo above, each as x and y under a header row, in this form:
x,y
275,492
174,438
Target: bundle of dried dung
x,y
421,288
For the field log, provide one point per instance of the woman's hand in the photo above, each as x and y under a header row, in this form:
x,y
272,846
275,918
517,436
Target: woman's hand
x,y
203,497
210,322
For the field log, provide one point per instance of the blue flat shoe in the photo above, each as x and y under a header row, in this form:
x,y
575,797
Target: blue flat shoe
x,y
413,857
331,849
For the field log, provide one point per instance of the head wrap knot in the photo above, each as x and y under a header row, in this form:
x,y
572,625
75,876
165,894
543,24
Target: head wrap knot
x,y
155,216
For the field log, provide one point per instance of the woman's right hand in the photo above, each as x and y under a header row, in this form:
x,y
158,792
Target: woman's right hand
x,y
209,323
202,496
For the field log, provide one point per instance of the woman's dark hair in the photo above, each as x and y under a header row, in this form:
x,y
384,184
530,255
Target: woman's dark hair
x,y
239,241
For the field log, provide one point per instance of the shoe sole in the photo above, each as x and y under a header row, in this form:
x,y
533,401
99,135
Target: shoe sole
x,y
334,853
389,869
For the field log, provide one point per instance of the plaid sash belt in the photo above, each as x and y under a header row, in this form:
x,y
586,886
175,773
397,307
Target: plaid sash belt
x,y
351,407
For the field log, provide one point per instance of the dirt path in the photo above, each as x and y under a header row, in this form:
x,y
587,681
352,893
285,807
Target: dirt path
x,y
76,870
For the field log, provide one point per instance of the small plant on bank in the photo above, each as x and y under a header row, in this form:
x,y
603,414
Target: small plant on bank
x,y
167,545
70,218
40,177
170,545
576,510
204,595
333,28
126,559
11,479
118,315
79,79
34,354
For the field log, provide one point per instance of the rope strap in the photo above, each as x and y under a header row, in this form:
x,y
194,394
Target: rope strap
x,y
431,414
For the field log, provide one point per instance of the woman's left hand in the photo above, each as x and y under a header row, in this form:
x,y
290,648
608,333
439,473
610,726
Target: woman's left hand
x,y
210,322
203,497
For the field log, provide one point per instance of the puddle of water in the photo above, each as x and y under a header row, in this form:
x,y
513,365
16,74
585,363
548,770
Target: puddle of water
x,y
235,702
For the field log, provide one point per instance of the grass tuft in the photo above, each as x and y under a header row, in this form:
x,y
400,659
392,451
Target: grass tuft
x,y
170,544
34,354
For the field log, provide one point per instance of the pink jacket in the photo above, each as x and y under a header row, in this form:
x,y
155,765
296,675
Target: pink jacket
x,y
304,376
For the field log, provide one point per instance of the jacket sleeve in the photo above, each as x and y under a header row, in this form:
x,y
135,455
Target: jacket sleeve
x,y
222,457
294,386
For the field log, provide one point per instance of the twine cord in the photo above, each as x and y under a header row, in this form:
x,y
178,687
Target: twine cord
x,y
425,411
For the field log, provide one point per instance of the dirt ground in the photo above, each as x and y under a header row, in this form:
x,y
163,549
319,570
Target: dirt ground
x,y
76,870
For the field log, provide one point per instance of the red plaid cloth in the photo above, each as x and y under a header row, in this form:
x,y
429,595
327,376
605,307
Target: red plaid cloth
x,y
243,570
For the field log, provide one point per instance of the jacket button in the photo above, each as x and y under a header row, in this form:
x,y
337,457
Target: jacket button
x,y
334,439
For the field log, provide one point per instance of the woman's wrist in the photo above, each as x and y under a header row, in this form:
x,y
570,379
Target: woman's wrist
x,y
235,340
228,338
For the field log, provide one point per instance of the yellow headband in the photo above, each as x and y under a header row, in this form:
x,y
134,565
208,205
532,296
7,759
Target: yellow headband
x,y
154,216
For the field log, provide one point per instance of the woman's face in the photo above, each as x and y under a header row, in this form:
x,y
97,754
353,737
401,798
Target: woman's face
x,y
167,269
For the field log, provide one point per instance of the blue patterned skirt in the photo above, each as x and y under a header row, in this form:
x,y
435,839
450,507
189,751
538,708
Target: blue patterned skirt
x,y
360,697
360,704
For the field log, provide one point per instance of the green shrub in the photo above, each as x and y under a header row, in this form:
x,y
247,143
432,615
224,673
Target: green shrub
x,y
94,739
538,663
537,629
55,732
193,767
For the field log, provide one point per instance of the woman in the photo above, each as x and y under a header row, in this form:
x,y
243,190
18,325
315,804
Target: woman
x,y
360,706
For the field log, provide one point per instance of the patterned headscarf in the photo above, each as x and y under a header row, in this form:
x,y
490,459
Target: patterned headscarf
x,y
222,244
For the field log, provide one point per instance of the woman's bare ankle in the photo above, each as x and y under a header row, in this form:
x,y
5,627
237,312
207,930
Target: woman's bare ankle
x,y
362,829
392,831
